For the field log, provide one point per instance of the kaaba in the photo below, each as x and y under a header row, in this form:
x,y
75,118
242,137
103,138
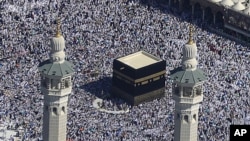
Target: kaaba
x,y
138,78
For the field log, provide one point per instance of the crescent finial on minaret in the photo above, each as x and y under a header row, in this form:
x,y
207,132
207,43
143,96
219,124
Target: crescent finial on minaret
x,y
58,31
190,41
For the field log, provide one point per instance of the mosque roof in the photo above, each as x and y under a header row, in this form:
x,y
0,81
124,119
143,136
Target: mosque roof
x,y
56,69
215,1
238,6
187,76
235,1
247,10
227,3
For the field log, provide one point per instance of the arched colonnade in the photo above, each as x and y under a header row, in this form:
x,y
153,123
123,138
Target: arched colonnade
x,y
211,13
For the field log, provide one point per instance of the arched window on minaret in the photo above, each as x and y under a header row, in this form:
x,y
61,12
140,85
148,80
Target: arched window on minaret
x,y
186,118
194,117
198,90
176,89
63,110
52,86
54,110
56,84
67,82
187,92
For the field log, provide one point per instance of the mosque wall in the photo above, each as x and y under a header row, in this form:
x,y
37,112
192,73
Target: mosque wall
x,y
237,19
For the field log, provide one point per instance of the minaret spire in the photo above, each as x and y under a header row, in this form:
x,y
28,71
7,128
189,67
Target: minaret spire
x,y
189,52
57,45
58,31
190,41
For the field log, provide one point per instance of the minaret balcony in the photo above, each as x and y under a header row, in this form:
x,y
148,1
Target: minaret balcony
x,y
188,100
56,92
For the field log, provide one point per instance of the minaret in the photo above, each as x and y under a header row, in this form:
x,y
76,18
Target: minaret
x,y
56,75
187,93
